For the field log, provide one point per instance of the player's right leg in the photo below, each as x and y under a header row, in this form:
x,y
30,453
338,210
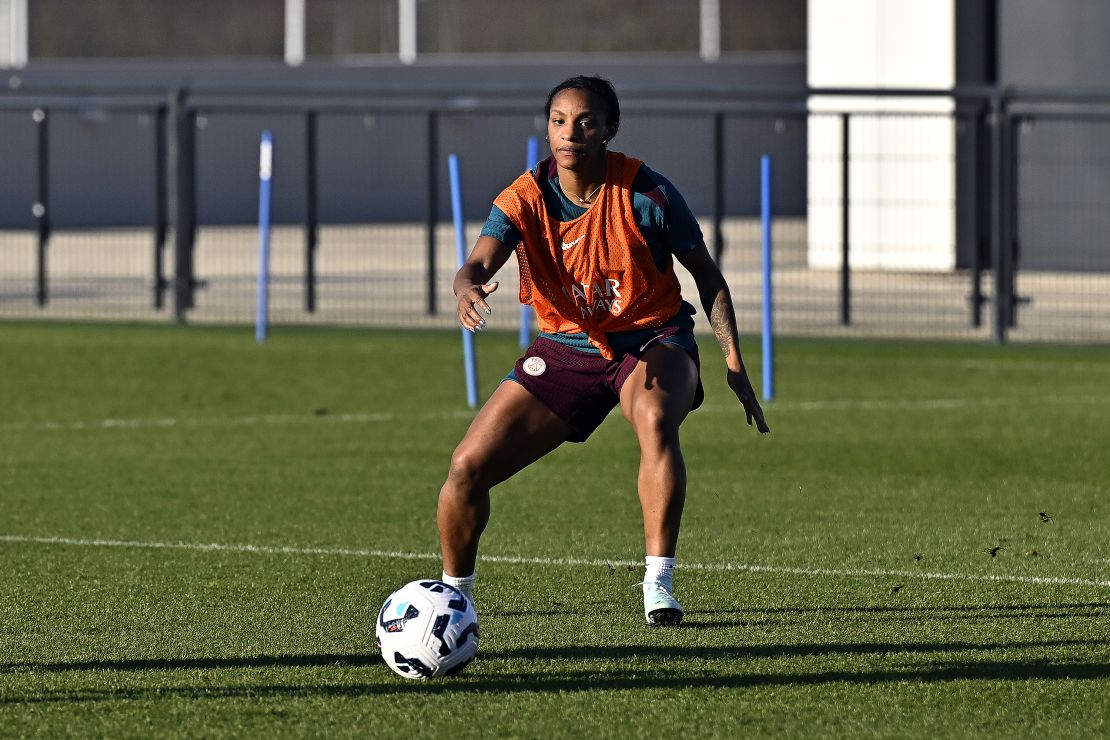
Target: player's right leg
x,y
655,398
511,431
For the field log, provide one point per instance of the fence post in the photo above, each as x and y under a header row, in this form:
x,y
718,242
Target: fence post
x,y
718,186
311,226
40,209
981,246
432,215
766,215
184,204
999,219
845,223
1011,246
161,218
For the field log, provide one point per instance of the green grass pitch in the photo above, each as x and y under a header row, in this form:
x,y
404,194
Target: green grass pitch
x,y
196,533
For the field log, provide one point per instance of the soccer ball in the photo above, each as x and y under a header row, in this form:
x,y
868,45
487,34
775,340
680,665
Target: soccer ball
x,y
426,629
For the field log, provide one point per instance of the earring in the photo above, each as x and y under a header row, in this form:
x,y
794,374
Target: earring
x,y
547,139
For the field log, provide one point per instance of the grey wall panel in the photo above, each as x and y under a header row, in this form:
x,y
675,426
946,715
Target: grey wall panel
x,y
371,167
1063,192
680,148
1058,43
633,75
374,167
227,146
492,150
1064,175
101,168
17,170
746,141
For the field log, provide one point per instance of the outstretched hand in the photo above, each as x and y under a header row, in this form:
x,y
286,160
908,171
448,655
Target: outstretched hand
x,y
742,387
473,309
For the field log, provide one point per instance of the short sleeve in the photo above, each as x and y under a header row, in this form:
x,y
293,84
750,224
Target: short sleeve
x,y
683,231
663,216
501,228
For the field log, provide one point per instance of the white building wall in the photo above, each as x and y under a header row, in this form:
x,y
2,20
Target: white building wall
x,y
902,166
5,33
13,33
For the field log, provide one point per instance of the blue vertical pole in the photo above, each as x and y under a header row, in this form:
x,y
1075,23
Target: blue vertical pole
x,y
265,171
768,303
469,359
533,158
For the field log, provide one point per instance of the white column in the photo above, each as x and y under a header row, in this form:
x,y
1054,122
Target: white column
x,y
710,25
294,32
406,30
13,33
902,173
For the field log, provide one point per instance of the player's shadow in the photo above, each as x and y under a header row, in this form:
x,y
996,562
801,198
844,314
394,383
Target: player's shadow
x,y
199,664
639,667
590,667
580,681
650,653
548,654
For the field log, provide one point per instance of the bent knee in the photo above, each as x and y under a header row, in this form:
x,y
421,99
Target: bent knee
x,y
467,471
654,424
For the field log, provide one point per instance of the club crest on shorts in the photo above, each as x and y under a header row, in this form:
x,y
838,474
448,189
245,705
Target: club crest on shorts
x,y
535,366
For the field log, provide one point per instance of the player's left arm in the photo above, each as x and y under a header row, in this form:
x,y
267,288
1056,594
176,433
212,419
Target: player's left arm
x,y
716,299
686,243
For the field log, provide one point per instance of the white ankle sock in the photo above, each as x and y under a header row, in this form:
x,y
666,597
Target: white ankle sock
x,y
462,583
659,570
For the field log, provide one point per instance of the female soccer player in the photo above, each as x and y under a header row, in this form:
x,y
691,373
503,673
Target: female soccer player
x,y
594,232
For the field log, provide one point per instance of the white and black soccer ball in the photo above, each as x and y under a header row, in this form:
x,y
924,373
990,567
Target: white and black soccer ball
x,y
427,629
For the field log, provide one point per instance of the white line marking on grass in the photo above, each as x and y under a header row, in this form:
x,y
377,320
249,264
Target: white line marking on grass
x,y
931,403
391,417
232,421
574,562
1004,364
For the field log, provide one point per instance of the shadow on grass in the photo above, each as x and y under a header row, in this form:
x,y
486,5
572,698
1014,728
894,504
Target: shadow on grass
x,y
811,650
555,654
199,664
576,681
639,667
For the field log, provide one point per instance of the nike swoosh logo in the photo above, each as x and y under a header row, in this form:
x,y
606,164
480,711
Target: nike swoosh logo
x,y
568,245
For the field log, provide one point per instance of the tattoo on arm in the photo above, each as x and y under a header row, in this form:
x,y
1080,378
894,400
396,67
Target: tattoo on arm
x,y
723,321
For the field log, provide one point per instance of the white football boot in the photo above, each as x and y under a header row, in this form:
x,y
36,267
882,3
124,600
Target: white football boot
x,y
660,605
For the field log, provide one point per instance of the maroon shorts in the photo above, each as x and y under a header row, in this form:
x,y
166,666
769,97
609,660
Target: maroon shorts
x,y
582,388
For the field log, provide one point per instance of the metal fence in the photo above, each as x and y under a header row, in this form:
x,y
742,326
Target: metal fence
x,y
996,233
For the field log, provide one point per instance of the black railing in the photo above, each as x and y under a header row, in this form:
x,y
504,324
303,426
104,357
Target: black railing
x,y
989,196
